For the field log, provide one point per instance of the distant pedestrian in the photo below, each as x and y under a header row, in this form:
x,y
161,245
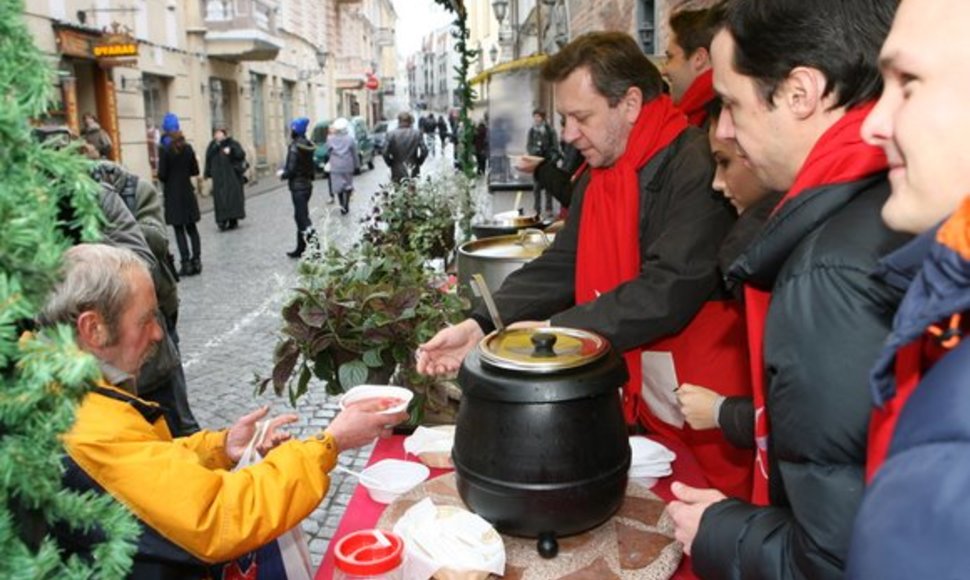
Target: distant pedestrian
x,y
177,165
344,162
442,131
225,164
96,136
481,144
429,127
542,143
298,172
405,150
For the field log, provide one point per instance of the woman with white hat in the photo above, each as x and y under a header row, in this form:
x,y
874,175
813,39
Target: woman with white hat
x,y
344,162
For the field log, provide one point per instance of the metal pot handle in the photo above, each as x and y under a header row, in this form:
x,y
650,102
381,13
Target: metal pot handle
x,y
525,236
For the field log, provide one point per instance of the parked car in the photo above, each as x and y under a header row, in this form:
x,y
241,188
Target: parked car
x,y
365,144
321,152
381,131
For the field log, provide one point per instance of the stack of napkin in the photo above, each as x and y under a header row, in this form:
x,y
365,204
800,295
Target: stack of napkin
x,y
449,542
650,460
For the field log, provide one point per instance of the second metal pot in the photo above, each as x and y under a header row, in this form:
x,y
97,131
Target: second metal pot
x,y
495,258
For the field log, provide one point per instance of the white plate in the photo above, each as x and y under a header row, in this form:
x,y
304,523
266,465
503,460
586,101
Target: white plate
x,y
364,392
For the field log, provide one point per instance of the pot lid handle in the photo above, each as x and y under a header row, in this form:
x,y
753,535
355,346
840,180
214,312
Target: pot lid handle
x,y
526,235
543,343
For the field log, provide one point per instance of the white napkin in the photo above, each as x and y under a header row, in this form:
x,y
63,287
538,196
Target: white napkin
x,y
448,537
438,440
649,458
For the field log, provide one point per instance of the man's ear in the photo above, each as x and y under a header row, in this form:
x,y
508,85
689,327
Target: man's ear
x,y
802,92
91,330
700,60
632,103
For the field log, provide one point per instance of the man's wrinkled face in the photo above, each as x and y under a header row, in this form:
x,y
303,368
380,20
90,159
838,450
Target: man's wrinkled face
x,y
761,133
137,331
922,119
592,126
677,69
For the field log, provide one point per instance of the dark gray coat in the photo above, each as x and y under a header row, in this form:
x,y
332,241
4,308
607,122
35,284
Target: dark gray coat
x,y
682,223
405,148
226,171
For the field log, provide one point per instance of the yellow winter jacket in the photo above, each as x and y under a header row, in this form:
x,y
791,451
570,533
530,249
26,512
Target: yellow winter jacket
x,y
183,488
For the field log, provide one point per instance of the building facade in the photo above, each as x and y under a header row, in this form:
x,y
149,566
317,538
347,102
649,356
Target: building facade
x,y
247,65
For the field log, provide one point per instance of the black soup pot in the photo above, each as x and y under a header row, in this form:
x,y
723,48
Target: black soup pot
x,y
541,448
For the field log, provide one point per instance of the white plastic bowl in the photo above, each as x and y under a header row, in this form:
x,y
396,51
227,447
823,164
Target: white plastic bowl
x,y
364,392
389,478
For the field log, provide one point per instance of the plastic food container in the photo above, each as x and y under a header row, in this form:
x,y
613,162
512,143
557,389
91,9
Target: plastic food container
x,y
389,478
369,554
364,392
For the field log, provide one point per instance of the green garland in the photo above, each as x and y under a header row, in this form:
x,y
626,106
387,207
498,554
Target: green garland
x,y
42,379
465,150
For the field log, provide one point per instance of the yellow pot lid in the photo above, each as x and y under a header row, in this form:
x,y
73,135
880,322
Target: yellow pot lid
x,y
542,350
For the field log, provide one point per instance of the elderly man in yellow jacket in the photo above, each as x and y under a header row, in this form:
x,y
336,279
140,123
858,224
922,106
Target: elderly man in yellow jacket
x,y
194,510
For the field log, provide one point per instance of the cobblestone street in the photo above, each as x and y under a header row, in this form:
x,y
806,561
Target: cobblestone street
x,y
229,318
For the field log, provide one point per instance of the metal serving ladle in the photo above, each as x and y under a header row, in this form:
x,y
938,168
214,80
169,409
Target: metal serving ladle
x,y
479,283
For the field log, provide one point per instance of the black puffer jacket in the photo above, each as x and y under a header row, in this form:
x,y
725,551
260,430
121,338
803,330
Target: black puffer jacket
x,y
298,171
826,323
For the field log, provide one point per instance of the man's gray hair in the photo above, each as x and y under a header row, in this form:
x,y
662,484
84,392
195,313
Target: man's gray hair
x,y
93,279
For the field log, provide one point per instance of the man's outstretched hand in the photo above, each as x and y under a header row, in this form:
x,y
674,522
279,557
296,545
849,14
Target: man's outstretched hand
x,y
242,432
442,355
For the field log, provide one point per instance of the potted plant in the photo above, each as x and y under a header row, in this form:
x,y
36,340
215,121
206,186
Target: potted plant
x,y
418,214
358,317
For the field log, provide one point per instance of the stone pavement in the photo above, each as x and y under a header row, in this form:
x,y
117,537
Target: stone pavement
x,y
229,319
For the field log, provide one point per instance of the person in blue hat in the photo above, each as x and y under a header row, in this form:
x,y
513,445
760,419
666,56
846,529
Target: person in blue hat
x,y
177,165
298,172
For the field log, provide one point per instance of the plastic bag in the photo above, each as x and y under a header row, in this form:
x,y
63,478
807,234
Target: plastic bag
x,y
287,557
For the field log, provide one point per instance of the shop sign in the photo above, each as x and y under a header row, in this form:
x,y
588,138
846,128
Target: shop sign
x,y
117,49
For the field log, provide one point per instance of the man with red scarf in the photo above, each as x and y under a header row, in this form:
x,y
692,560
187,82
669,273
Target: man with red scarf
x,y
687,61
637,259
914,521
797,80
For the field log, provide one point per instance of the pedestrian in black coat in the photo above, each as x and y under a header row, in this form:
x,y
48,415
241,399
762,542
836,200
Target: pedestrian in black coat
x,y
298,173
177,165
225,164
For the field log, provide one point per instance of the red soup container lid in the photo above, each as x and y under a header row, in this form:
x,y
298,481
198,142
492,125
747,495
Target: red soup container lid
x,y
361,553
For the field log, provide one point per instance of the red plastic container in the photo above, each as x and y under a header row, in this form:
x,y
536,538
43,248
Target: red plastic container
x,y
361,555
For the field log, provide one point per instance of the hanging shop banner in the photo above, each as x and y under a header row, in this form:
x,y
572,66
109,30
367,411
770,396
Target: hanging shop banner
x,y
116,49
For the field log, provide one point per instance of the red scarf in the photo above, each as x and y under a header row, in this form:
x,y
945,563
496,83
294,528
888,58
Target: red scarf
x,y
839,156
608,250
695,99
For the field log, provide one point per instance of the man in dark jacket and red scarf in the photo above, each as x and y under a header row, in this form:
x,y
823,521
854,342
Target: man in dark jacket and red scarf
x,y
687,62
816,317
913,522
637,259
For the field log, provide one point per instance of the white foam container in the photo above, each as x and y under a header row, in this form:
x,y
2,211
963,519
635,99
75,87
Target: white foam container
x,y
364,392
389,478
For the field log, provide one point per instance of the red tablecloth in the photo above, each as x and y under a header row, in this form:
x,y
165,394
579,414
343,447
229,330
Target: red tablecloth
x,y
363,512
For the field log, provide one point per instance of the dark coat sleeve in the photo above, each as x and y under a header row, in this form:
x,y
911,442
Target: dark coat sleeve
x,y
193,160
819,407
736,419
289,167
556,181
210,152
681,226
